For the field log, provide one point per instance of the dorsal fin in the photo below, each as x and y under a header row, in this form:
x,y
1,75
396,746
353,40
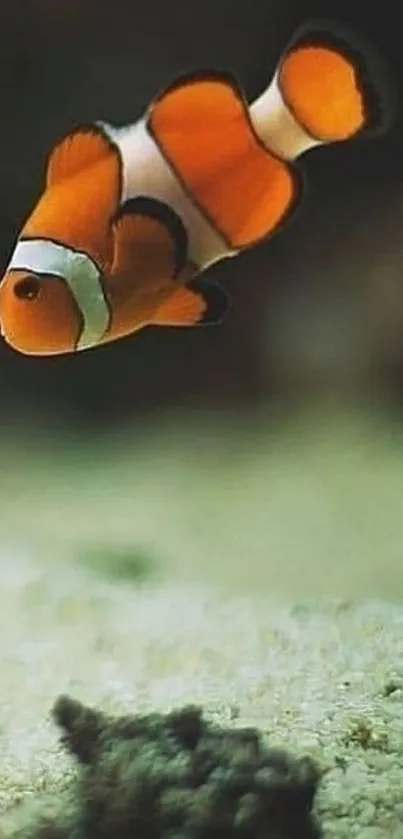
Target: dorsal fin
x,y
82,194
81,149
202,125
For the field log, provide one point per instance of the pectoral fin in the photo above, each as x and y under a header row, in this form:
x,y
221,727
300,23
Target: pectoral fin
x,y
200,303
150,240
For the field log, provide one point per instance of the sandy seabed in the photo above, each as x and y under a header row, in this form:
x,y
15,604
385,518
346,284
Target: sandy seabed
x,y
326,680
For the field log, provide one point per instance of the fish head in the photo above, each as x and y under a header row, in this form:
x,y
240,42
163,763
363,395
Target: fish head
x,y
38,313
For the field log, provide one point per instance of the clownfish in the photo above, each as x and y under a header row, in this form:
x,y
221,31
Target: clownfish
x,y
130,217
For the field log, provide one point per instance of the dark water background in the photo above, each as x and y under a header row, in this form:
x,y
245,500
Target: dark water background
x,y
317,310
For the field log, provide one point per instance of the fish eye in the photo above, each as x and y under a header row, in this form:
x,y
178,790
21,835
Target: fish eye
x,y
27,289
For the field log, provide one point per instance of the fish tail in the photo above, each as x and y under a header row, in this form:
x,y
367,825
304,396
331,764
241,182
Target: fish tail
x,y
329,86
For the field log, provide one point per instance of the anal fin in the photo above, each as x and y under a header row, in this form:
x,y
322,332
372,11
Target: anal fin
x,y
200,303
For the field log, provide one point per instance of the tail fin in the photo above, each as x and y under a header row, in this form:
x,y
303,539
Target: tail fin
x,y
329,86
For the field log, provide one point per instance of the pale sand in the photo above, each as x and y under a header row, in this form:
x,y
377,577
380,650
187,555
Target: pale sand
x,y
312,678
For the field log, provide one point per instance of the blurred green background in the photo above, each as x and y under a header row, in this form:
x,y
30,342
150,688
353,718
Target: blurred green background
x,y
298,508
266,454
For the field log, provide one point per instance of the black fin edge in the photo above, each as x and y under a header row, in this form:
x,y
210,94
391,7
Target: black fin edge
x,y
201,74
217,298
374,77
153,208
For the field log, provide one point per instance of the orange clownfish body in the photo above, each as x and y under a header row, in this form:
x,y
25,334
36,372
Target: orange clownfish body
x,y
130,217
